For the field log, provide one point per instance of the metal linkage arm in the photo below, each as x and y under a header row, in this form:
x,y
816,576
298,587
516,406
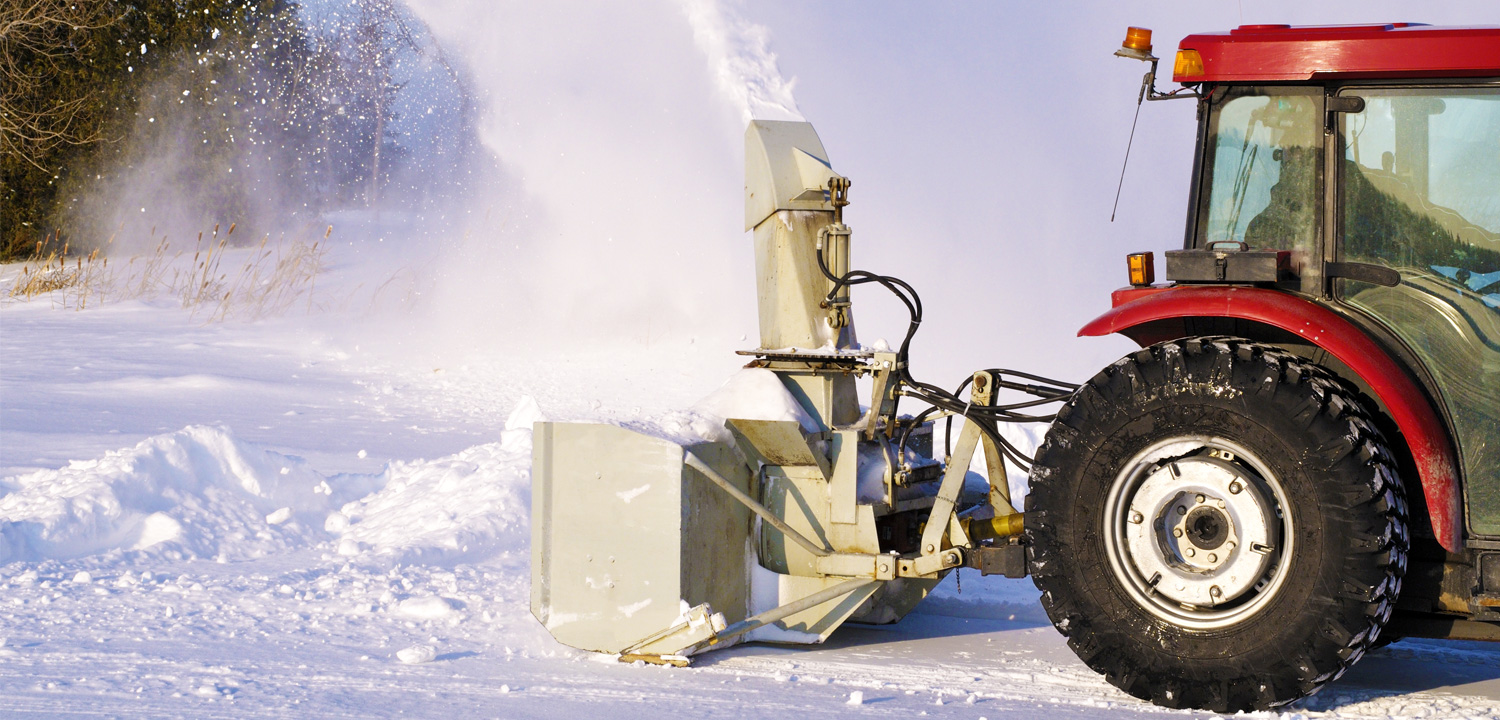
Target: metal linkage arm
x,y
958,468
692,461
792,608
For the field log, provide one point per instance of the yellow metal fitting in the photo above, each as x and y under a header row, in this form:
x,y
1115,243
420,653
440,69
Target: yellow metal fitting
x,y
995,527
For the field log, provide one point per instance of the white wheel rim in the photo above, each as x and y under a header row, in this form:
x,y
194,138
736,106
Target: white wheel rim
x,y
1195,530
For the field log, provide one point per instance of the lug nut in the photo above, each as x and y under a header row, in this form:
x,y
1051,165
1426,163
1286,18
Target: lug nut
x,y
1201,498
1181,510
1176,532
1191,552
1213,558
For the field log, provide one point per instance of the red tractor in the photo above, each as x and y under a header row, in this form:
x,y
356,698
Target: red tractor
x,y
1303,460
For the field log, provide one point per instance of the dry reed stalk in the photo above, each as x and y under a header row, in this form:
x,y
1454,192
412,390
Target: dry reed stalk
x,y
68,286
272,279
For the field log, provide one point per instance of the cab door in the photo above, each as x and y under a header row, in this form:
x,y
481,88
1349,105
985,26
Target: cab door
x,y
1419,193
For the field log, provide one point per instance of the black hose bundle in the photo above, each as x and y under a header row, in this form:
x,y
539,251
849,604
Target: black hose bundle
x,y
1046,390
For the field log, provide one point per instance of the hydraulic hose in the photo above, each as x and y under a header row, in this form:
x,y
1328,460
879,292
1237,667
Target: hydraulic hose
x,y
1046,390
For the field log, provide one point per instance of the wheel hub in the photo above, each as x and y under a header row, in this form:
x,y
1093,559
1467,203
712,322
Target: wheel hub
x,y
1196,537
1207,527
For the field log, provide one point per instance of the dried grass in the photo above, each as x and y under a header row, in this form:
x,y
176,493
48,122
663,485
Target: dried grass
x,y
71,281
273,278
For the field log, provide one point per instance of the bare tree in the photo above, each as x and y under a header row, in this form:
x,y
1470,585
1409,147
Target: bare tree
x,y
35,36
381,32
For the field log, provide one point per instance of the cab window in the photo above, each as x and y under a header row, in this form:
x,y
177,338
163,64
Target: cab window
x,y
1265,159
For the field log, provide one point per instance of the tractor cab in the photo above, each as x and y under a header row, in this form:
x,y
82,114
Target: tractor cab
x,y
1375,168
1357,167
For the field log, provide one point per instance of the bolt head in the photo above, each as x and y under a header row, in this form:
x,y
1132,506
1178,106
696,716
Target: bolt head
x,y
1200,497
1191,552
1213,558
1176,532
1215,591
1235,488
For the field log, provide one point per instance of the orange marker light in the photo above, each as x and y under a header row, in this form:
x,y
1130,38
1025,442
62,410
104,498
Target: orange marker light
x,y
1188,64
1138,39
1142,268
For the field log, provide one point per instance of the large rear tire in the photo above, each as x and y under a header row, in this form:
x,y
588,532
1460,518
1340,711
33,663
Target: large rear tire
x,y
1217,524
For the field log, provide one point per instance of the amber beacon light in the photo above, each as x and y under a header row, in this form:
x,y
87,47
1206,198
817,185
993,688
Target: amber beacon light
x,y
1142,268
1137,44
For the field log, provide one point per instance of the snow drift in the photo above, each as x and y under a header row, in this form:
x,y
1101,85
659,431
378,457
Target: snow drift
x,y
464,507
202,492
198,491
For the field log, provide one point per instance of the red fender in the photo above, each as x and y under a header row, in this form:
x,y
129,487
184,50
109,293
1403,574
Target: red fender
x,y
1425,433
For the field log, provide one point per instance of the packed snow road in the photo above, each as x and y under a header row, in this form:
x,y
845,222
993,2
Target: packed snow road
x,y
301,634
258,520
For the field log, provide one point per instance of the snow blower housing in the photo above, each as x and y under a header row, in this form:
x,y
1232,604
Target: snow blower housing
x,y
654,549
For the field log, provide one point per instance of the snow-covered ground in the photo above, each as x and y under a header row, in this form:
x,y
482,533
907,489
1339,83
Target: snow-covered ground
x,y
287,516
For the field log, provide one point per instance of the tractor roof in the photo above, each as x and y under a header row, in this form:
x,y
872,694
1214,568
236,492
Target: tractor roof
x,y
1280,53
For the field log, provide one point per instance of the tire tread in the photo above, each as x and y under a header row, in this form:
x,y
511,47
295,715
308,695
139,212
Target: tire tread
x,y
1342,431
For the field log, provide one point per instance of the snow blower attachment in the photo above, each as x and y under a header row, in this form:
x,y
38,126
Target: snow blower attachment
x,y
654,550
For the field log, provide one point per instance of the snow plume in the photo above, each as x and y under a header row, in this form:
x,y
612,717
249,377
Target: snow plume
x,y
617,214
178,172
276,121
743,65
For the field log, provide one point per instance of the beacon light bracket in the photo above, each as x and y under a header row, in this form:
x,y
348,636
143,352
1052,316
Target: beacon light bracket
x,y
1137,46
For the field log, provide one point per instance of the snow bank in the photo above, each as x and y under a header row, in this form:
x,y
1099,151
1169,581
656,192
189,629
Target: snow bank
x,y
465,507
198,491
201,492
